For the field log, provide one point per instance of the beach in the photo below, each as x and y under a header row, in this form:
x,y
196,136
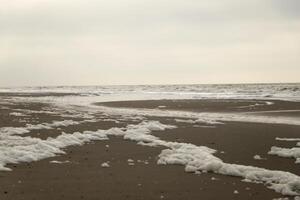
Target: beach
x,y
122,168
149,100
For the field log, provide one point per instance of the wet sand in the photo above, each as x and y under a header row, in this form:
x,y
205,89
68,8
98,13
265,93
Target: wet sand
x,y
209,105
84,178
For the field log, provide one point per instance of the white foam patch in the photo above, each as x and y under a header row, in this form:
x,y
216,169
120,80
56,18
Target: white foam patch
x,y
7,103
54,124
199,121
269,103
13,131
256,105
286,152
36,111
105,165
59,162
235,192
188,121
258,157
71,113
275,111
29,127
17,149
17,114
287,139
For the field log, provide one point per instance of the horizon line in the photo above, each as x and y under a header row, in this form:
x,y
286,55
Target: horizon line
x,y
154,84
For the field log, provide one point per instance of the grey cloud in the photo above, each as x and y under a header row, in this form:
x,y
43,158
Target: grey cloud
x,y
125,37
99,16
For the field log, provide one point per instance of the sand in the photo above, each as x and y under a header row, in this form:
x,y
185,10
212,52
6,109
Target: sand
x,y
83,177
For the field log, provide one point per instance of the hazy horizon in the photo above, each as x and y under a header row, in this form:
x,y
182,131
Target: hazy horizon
x,y
143,42
170,84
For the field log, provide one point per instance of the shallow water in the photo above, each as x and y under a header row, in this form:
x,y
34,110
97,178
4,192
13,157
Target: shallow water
x,y
227,91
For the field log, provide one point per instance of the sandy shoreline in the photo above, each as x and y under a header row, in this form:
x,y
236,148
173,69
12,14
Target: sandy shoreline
x,y
211,105
84,178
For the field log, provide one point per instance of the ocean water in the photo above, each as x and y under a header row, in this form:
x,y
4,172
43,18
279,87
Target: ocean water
x,y
290,92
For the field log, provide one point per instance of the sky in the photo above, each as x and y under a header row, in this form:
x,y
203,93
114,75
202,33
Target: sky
x,y
100,42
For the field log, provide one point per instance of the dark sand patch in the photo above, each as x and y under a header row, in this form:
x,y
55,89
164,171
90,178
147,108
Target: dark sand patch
x,y
208,105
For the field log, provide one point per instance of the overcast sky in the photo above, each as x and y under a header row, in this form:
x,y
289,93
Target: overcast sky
x,y
88,42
